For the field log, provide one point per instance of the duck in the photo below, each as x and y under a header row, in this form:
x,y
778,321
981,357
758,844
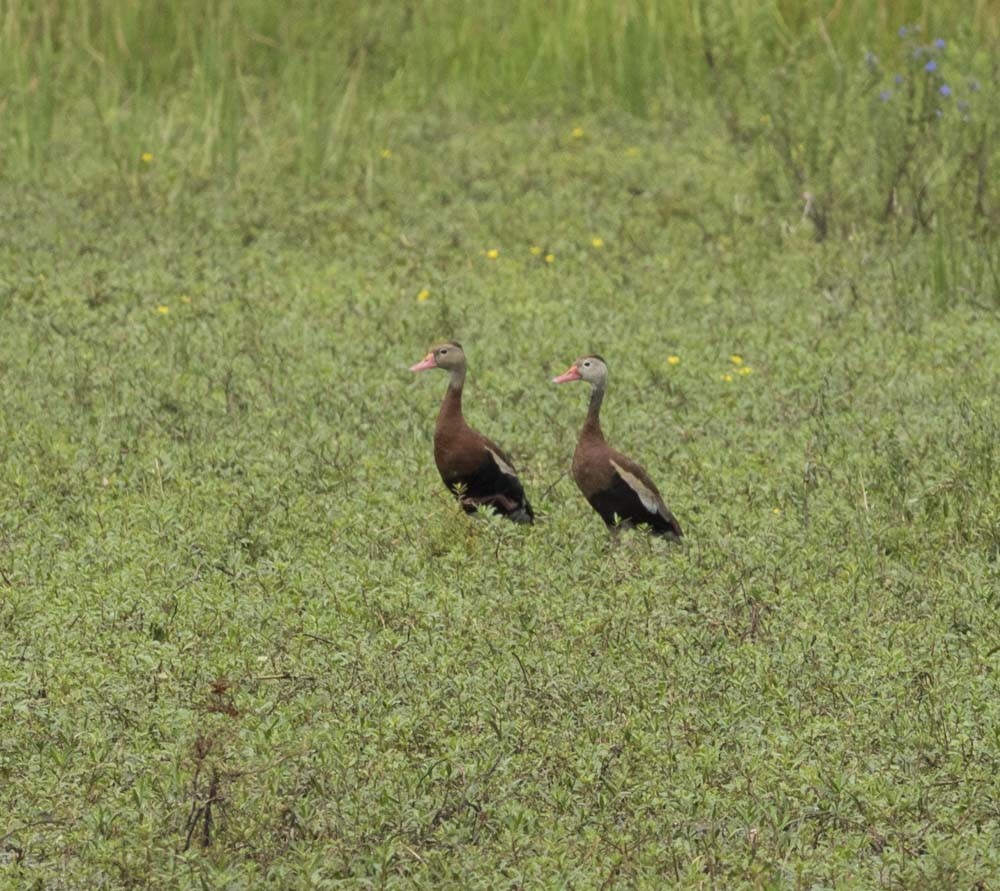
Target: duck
x,y
616,486
475,469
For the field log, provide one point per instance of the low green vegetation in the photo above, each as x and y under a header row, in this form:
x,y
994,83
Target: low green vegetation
x,y
247,636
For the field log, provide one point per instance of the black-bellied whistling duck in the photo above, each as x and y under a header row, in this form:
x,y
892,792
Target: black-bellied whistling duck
x,y
473,467
614,485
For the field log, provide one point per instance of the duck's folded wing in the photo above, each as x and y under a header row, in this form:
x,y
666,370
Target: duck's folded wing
x,y
643,488
639,499
494,482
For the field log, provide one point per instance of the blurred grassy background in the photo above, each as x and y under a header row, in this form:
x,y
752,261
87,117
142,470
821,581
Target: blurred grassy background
x,y
252,85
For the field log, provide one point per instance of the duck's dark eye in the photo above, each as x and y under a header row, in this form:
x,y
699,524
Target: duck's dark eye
x,y
586,365
444,352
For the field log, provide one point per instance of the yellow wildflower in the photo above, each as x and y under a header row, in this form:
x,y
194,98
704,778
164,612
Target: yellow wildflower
x,y
578,132
597,241
728,378
386,153
550,258
423,296
745,370
673,360
775,510
535,250
492,253
146,157
736,360
162,310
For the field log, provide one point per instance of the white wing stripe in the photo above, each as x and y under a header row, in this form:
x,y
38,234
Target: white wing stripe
x,y
646,495
503,465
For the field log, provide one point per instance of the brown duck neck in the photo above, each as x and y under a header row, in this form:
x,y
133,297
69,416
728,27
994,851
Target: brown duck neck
x,y
451,406
592,425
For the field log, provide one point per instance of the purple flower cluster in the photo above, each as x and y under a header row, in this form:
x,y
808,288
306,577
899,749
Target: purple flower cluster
x,y
916,106
926,63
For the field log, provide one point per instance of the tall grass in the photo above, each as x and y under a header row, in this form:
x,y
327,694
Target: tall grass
x,y
249,89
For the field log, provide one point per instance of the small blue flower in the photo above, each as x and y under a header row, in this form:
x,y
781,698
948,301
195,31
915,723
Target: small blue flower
x,y
931,66
898,79
944,90
902,32
940,43
885,95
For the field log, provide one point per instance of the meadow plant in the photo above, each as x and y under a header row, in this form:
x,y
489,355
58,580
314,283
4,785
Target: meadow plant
x,y
886,139
931,130
248,640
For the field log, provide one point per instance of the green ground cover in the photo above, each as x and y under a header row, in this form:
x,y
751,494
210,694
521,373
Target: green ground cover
x,y
246,637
